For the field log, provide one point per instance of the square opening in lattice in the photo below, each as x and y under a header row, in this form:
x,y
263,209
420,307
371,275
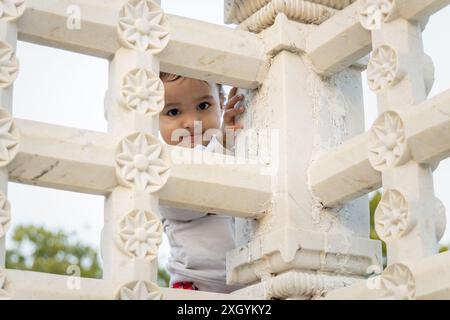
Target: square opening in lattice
x,y
54,231
60,87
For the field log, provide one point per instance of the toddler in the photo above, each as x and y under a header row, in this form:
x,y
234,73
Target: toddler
x,y
199,240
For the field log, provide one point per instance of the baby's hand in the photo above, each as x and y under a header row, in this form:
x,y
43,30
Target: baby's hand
x,y
230,113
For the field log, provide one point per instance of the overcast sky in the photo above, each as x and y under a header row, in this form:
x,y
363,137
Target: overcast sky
x,y
64,88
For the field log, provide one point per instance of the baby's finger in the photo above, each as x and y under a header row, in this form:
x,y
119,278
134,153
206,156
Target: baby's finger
x,y
232,102
232,92
231,113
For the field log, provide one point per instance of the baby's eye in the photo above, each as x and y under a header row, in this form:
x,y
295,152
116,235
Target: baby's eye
x,y
204,105
173,112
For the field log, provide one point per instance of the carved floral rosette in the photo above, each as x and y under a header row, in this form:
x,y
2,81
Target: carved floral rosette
x,y
5,286
142,162
384,69
373,13
393,218
9,138
5,215
11,10
139,290
143,92
398,283
143,26
390,147
9,65
140,234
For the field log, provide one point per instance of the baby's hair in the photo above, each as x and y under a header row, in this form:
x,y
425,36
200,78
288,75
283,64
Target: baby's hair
x,y
170,77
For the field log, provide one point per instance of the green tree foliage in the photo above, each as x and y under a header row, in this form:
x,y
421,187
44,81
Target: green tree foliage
x,y
37,249
163,278
373,234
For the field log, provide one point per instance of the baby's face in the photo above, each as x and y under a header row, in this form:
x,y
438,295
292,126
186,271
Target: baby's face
x,y
192,107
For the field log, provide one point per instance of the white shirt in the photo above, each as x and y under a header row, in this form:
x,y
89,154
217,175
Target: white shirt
x,y
199,242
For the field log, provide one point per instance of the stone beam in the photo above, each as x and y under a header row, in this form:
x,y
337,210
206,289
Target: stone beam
x,y
28,285
84,161
345,173
197,49
64,158
426,279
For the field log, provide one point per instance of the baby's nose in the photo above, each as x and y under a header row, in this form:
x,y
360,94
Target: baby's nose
x,y
192,122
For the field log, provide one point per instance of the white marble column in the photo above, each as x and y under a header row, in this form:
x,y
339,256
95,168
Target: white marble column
x,y
132,231
306,114
409,218
9,135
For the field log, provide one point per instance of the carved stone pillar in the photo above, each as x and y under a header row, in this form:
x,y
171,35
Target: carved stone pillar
x,y
132,231
302,114
410,219
10,13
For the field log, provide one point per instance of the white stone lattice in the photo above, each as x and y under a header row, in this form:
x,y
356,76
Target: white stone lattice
x,y
321,179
